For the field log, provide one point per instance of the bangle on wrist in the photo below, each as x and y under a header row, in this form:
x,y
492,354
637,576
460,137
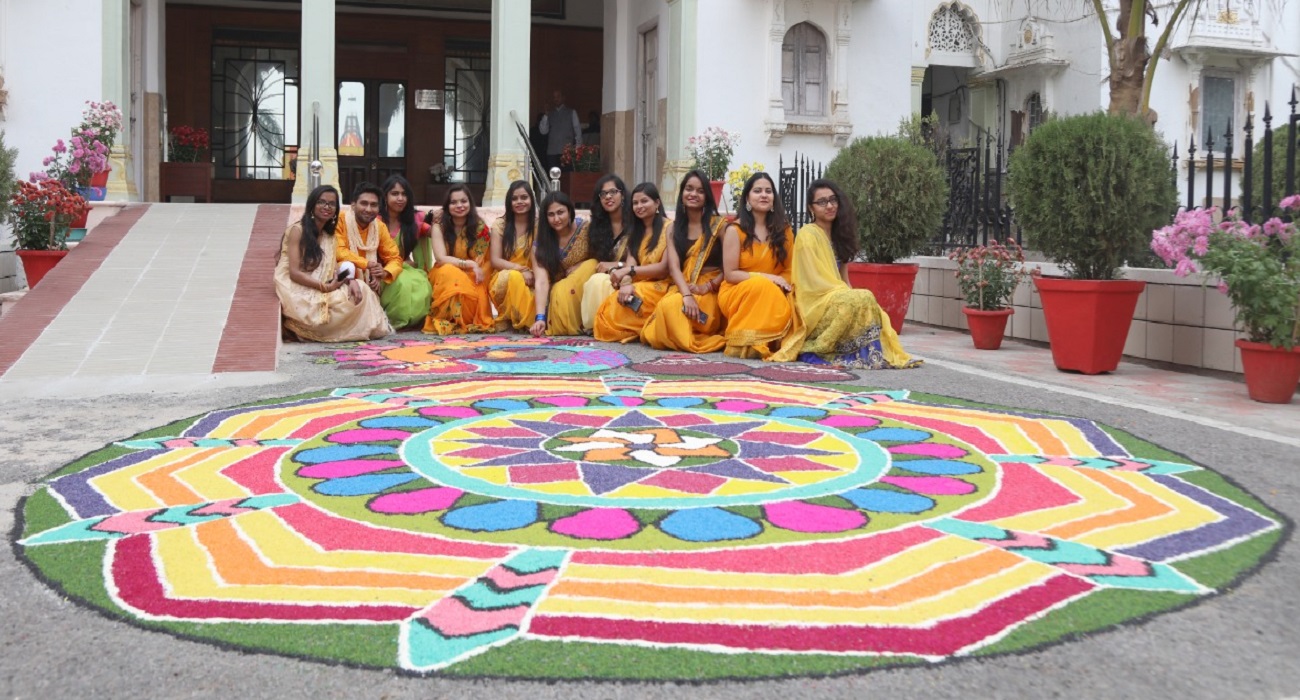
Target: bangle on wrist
x,y
541,317
688,296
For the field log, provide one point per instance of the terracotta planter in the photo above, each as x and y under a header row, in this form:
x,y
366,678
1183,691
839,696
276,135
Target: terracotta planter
x,y
1272,374
100,179
38,263
185,180
891,283
987,327
716,186
1088,321
580,187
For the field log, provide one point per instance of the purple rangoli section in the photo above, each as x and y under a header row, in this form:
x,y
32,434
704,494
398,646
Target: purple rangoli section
x,y
1238,522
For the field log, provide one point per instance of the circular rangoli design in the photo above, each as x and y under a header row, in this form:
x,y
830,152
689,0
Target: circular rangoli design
x,y
638,528
501,354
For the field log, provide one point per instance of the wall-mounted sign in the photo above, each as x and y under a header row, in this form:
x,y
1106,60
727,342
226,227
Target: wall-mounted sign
x,y
428,99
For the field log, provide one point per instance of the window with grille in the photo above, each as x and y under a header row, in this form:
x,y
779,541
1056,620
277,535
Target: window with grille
x,y
254,111
1218,108
1033,112
803,71
951,31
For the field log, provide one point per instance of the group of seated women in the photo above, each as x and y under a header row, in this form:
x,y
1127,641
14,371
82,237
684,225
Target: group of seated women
x,y
698,282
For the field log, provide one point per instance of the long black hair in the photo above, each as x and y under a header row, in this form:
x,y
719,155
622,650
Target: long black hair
x,y
409,228
600,236
776,221
508,233
844,231
546,243
472,222
309,250
682,224
638,231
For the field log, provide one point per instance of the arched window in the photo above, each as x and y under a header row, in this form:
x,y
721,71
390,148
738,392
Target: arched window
x,y
951,30
803,71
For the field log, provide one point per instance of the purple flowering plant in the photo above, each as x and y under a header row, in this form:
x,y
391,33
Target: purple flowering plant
x,y
1258,266
73,163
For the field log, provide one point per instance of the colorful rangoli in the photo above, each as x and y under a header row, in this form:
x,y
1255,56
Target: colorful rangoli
x,y
628,527
454,355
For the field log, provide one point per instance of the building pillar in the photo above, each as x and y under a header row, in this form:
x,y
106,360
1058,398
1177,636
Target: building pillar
x,y
683,43
116,79
512,28
317,89
918,83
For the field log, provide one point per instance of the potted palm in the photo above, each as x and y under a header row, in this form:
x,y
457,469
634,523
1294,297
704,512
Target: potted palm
x,y
900,194
40,212
988,276
1258,267
1087,190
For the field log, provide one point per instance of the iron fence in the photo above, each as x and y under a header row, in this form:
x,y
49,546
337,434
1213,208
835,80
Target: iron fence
x,y
1253,206
978,209
793,184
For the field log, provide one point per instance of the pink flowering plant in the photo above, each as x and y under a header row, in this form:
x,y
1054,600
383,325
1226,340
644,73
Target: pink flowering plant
x,y
73,163
989,274
1258,266
102,118
712,151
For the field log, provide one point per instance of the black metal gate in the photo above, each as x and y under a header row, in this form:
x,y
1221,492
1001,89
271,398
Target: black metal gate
x,y
793,181
978,210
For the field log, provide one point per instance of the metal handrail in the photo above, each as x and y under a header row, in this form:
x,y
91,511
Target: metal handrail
x,y
536,168
315,167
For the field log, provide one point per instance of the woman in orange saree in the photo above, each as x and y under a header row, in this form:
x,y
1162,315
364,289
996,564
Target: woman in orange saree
x,y
755,295
511,250
461,268
562,263
641,279
687,318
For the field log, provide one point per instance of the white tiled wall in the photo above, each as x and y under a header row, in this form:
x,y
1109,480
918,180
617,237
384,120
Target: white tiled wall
x,y
1178,320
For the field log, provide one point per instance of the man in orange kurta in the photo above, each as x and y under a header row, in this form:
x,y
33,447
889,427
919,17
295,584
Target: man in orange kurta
x,y
363,239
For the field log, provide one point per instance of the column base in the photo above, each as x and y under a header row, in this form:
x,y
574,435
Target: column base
x,y
120,187
503,169
329,174
674,172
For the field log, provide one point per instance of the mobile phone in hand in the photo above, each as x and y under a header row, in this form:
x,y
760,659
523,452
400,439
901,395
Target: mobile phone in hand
x,y
703,319
343,275
634,303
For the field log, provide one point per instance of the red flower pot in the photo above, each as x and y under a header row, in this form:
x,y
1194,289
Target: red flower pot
x,y
100,179
1271,373
892,285
716,186
37,263
987,327
1088,320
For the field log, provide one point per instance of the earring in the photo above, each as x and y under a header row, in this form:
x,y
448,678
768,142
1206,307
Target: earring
x,y
749,207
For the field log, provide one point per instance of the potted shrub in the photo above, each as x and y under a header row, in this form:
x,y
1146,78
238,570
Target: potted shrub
x,y
900,193
188,169
988,276
103,121
582,170
40,212
712,151
1086,191
1259,269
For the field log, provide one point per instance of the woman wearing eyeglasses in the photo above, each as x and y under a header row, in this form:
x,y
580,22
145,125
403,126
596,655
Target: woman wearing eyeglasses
x,y
562,263
843,327
641,278
319,303
687,318
610,222
461,269
756,292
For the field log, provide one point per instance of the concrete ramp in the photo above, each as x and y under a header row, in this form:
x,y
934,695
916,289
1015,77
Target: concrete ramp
x,y
158,291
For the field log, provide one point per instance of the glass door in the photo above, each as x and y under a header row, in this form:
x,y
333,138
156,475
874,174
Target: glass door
x,y
371,132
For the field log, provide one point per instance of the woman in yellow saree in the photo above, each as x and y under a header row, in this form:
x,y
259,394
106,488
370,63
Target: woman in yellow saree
x,y
756,292
406,300
841,326
461,268
687,318
317,302
562,263
608,240
641,279
511,250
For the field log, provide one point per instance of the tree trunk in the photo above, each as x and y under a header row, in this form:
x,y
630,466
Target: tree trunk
x,y
1126,81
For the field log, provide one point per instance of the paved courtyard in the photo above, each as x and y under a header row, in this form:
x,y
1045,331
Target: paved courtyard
x,y
134,331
